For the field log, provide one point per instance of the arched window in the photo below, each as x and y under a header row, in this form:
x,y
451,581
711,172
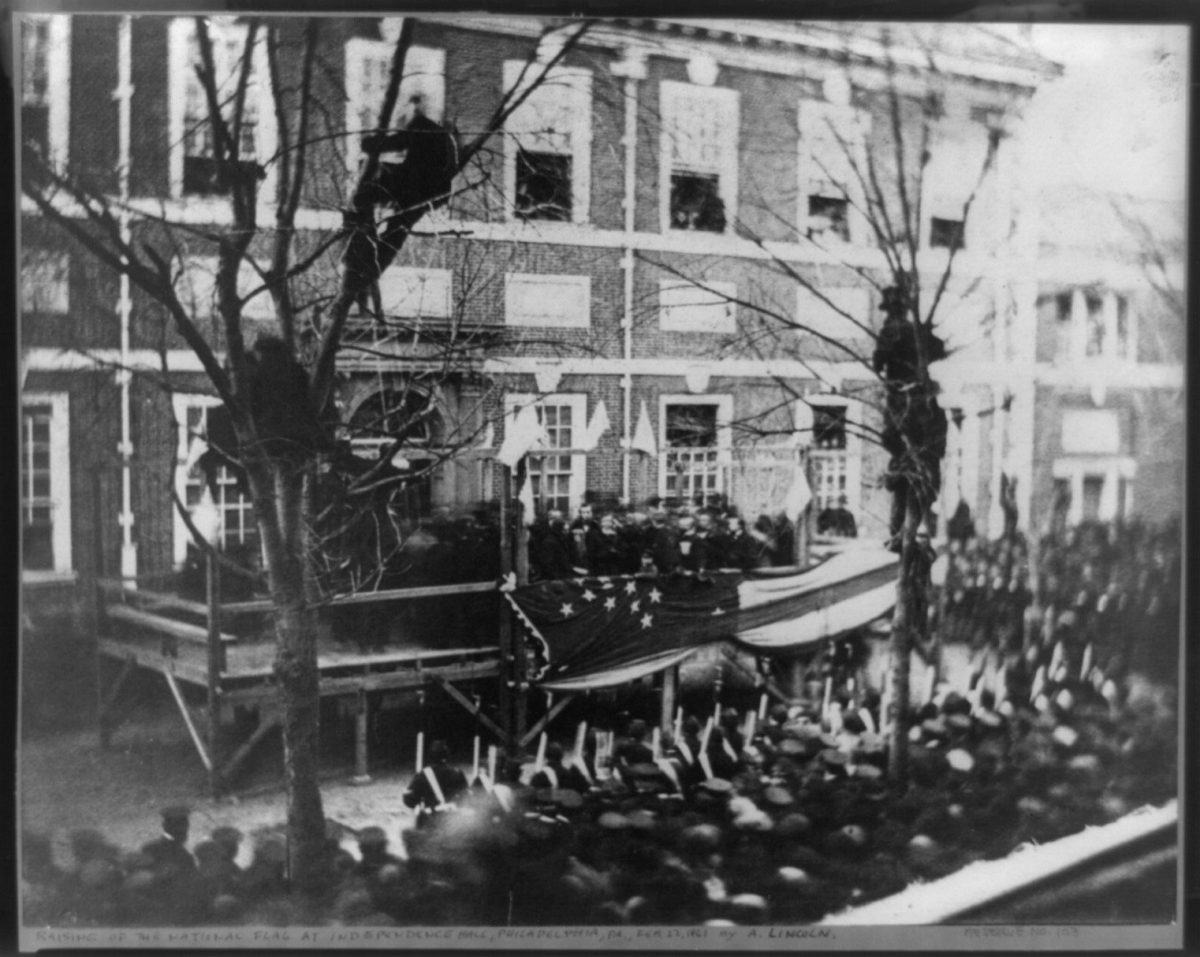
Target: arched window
x,y
410,415
406,414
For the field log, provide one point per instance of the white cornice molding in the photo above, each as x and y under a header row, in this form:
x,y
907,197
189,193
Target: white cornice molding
x,y
951,375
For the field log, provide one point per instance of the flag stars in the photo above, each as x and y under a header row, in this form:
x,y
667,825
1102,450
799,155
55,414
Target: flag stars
x,y
610,604
646,619
630,588
589,595
635,607
655,596
568,610
717,611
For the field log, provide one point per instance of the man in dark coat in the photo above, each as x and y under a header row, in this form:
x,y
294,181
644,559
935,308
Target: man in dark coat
x,y
554,774
550,547
664,547
420,183
437,786
169,852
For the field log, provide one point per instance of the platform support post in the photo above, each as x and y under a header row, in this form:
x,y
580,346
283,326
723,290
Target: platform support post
x,y
799,672
670,686
216,665
102,722
361,724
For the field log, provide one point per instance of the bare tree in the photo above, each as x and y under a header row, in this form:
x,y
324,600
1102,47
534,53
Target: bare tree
x,y
885,186
278,389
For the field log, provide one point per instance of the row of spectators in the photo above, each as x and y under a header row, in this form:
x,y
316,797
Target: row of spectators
x,y
1106,584
656,541
783,825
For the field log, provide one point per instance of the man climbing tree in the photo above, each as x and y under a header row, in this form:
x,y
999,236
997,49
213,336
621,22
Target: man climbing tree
x,y
914,430
418,184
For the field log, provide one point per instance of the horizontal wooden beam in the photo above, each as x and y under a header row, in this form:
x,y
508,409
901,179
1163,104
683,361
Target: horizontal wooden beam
x,y
167,626
372,597
192,672
148,600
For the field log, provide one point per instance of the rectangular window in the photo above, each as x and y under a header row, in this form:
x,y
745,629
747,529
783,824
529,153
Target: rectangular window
x,y
692,461
698,160
952,177
195,170
831,150
548,143
45,285
1093,493
687,307
201,419
946,233
45,484
533,299
1125,348
543,186
368,68
826,313
558,480
1062,497
1064,334
1094,337
829,217
197,289
835,463
45,78
37,504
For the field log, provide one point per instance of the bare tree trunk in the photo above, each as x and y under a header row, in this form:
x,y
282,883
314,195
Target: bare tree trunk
x,y
906,623
295,619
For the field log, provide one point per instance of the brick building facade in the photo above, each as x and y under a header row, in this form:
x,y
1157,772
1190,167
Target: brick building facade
x,y
579,262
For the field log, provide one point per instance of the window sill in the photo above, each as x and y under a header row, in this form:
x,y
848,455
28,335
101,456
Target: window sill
x,y
35,578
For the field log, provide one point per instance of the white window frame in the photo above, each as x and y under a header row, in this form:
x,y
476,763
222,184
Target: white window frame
x,y
60,482
578,85
424,72
721,100
938,201
180,36
181,402
1112,467
854,445
962,444
1077,333
821,122
724,447
261,307
582,319
58,78
578,403
706,306
43,269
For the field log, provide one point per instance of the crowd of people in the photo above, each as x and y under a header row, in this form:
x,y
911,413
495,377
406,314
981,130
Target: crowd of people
x,y
1107,584
726,819
656,540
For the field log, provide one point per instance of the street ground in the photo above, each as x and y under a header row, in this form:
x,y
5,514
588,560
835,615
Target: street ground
x,y
67,782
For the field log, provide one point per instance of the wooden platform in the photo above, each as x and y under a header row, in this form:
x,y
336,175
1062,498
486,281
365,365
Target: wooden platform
x,y
227,659
249,675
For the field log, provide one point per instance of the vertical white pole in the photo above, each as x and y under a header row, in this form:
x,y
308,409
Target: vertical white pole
x,y
123,95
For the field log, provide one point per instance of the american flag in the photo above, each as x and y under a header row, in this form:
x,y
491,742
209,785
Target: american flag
x,y
594,631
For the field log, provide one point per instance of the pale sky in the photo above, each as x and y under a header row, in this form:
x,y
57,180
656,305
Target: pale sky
x,y
1117,117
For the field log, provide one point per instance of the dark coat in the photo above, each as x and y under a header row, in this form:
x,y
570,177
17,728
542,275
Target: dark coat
x,y
420,794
